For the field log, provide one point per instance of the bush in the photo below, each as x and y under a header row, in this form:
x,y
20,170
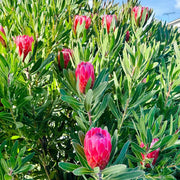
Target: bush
x,y
106,77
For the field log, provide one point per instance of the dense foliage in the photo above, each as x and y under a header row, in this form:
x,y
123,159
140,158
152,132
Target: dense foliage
x,y
50,97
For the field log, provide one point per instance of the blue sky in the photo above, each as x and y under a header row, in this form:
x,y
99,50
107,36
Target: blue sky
x,y
165,10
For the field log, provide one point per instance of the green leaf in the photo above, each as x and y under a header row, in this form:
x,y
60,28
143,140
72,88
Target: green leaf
x,y
165,140
4,166
114,110
114,146
88,85
80,123
27,158
2,145
7,177
81,137
26,168
68,166
132,158
114,169
162,130
172,141
15,137
19,125
5,103
24,101
14,149
122,154
100,78
79,149
82,171
149,136
49,59
128,175
138,148
99,90
72,101
88,100
36,66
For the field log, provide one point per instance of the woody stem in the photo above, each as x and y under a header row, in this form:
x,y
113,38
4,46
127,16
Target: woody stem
x,y
99,176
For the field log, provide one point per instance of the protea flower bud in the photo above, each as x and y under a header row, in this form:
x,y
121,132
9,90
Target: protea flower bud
x,y
1,38
153,155
84,71
144,80
109,19
135,12
81,19
67,53
127,36
97,147
25,44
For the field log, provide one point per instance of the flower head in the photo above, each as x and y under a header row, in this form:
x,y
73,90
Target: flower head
x,y
67,53
84,71
24,43
1,38
80,20
109,19
152,155
135,12
97,147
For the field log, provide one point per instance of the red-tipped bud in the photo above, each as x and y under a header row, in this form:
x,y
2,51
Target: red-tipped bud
x,y
135,13
84,71
67,54
80,20
109,19
24,43
1,38
152,155
97,147
127,36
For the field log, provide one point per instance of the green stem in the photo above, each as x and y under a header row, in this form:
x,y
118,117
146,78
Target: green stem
x,y
44,165
169,90
90,120
100,176
14,119
124,114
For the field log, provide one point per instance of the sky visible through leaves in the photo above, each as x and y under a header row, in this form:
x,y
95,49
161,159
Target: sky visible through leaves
x,y
165,10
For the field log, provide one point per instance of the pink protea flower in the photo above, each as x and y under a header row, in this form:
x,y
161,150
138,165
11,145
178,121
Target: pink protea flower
x,y
109,19
84,71
1,38
135,11
67,53
24,43
127,36
97,147
81,19
154,154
